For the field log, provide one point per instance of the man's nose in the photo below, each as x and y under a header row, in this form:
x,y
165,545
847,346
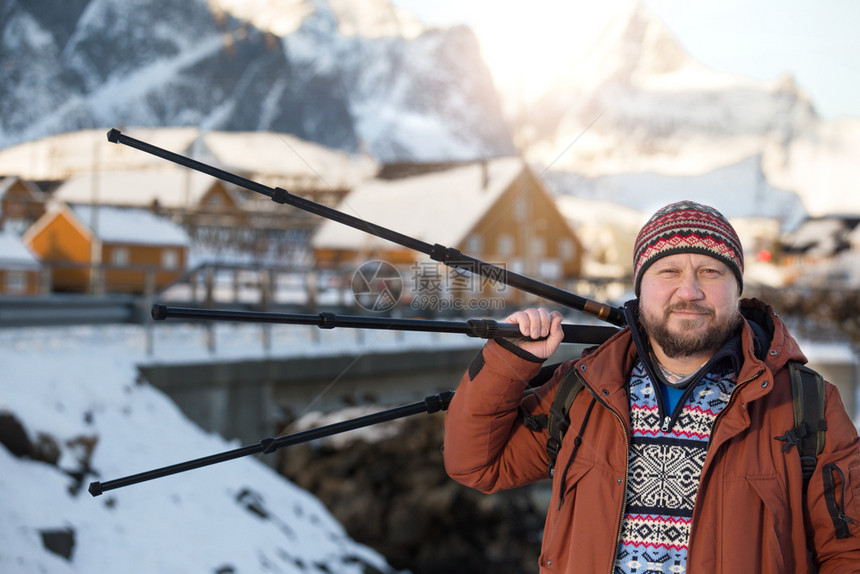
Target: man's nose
x,y
689,287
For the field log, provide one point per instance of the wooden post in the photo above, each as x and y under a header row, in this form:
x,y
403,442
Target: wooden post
x,y
210,299
148,298
265,301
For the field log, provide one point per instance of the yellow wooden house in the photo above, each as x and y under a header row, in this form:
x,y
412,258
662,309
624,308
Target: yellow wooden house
x,y
497,211
108,248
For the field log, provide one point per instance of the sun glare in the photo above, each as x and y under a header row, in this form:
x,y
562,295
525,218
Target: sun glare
x,y
527,45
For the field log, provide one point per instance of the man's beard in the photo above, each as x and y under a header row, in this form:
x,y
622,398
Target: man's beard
x,y
683,344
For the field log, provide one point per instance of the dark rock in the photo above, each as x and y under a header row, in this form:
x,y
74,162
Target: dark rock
x,y
394,496
60,541
13,435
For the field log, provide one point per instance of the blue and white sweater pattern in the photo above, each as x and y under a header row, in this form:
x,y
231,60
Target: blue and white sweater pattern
x,y
664,470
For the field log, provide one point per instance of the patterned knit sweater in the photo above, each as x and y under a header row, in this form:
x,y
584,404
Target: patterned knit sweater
x,y
664,470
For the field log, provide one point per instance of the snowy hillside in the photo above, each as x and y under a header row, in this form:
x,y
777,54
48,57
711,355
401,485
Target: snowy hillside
x,y
737,190
378,83
74,392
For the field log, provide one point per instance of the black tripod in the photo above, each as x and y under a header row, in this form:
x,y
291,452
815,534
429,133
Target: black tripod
x,y
488,329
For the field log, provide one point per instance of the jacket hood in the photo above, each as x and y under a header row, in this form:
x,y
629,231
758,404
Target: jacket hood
x,y
767,337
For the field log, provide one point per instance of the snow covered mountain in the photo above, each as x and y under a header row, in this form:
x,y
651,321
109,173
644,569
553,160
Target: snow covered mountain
x,y
347,75
361,75
639,101
639,104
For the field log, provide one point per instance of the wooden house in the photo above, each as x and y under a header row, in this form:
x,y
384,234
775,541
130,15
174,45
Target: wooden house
x,y
496,211
108,248
20,200
20,270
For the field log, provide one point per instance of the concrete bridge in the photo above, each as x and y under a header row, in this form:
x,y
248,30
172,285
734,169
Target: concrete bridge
x,y
251,400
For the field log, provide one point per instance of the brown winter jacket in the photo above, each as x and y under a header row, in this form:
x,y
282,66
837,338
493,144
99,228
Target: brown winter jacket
x,y
749,514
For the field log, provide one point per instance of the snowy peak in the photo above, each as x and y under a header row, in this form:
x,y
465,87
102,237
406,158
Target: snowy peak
x,y
638,102
374,19
348,74
638,45
354,18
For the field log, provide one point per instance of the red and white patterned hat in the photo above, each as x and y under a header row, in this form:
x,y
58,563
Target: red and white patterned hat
x,y
687,227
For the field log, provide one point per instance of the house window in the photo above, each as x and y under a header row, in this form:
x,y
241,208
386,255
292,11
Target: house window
x,y
215,200
170,259
521,208
566,249
16,282
119,256
550,269
474,244
538,247
505,245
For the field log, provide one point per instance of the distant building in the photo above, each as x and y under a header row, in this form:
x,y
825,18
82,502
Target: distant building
x,y
109,248
20,271
220,216
607,230
20,200
823,252
496,211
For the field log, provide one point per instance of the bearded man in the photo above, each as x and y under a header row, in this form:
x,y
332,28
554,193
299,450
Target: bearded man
x,y
672,461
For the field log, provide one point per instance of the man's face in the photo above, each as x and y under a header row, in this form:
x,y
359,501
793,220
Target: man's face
x,y
688,304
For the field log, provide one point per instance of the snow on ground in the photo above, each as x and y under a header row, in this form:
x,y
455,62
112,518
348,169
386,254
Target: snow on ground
x,y
77,384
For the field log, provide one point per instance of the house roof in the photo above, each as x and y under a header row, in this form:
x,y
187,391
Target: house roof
x,y
276,155
823,236
13,252
131,226
174,187
7,183
439,207
263,154
61,156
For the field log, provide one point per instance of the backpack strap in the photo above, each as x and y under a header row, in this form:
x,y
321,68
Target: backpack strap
x,y
558,420
808,434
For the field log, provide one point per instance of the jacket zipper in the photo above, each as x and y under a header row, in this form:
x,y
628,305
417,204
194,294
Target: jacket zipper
x,y
734,393
626,465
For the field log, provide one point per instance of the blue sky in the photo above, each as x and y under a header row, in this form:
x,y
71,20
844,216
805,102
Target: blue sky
x,y
817,42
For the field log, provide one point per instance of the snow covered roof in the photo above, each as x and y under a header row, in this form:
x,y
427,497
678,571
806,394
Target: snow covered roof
x,y
132,226
822,236
61,156
269,154
581,210
170,186
264,154
13,252
440,207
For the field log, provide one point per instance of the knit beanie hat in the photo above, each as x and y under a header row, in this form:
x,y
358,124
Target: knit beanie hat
x,y
687,227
